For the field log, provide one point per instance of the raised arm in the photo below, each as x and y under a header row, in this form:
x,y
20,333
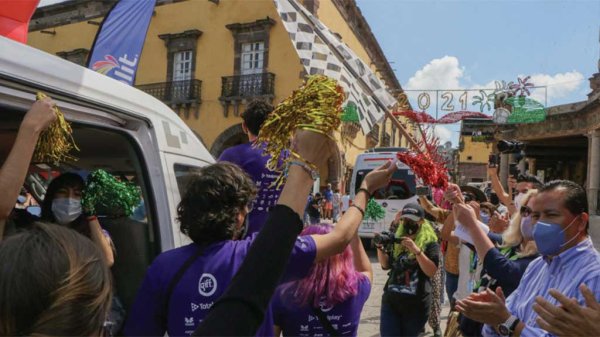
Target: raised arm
x,y
14,169
336,241
361,259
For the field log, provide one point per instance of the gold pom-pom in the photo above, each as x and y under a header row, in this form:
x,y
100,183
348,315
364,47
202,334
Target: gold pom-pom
x,y
56,142
316,106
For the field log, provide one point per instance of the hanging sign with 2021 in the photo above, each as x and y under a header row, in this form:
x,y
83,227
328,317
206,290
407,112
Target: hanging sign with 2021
x,y
497,102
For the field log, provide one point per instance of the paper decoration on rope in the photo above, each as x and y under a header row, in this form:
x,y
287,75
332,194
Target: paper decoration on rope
x,y
322,52
56,142
105,191
374,211
453,117
525,110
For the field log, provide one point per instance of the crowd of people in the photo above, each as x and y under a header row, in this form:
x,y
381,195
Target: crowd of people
x,y
262,262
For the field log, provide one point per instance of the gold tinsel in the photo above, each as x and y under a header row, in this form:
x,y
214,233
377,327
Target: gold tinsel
x,y
56,142
316,106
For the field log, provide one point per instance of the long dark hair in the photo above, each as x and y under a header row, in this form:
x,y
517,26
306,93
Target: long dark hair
x,y
69,180
53,282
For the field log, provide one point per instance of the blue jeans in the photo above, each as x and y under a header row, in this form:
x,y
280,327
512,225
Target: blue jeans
x,y
451,286
394,322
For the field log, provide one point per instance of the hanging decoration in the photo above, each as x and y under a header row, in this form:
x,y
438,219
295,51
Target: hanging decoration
x,y
316,106
525,110
105,191
453,117
374,211
56,142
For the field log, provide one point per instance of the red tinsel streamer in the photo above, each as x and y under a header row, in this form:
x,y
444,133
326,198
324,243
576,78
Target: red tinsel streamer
x,y
431,173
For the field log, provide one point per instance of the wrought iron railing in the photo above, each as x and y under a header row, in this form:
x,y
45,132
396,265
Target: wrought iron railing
x,y
242,86
175,92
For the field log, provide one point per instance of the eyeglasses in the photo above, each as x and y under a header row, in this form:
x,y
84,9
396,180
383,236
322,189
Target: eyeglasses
x,y
525,211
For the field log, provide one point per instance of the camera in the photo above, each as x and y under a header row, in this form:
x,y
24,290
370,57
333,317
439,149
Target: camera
x,y
385,238
510,146
422,190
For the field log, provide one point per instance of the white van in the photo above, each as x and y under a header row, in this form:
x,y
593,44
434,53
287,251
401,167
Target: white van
x,y
392,198
117,128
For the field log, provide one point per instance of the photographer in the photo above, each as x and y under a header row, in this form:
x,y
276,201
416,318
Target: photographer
x,y
412,255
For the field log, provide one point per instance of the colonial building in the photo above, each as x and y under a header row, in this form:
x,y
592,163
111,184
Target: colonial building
x,y
475,146
207,58
565,146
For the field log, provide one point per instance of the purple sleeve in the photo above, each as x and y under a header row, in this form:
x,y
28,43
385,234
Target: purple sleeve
x,y
302,258
226,156
146,316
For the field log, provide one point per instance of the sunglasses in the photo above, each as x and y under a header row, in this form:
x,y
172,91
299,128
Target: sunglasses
x,y
525,211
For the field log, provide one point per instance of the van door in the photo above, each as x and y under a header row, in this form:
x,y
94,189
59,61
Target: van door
x,y
178,169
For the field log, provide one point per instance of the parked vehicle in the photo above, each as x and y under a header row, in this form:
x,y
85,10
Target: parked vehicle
x,y
117,128
400,191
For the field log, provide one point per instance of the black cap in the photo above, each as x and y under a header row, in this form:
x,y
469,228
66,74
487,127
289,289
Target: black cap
x,y
413,212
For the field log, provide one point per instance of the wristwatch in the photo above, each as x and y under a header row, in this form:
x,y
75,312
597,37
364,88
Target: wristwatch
x,y
507,328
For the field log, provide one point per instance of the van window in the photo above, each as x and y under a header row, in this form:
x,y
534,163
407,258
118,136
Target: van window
x,y
401,187
183,174
134,237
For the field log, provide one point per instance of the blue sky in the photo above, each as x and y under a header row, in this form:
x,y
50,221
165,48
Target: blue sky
x,y
470,44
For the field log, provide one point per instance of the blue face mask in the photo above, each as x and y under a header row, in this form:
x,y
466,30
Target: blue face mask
x,y
485,218
550,237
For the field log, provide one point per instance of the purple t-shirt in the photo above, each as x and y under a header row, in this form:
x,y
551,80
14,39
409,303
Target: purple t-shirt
x,y
252,161
302,321
200,286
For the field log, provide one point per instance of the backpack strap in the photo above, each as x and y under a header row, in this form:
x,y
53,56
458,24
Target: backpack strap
x,y
325,322
175,280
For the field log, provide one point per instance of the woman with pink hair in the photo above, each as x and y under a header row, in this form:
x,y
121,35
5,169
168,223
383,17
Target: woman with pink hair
x,y
329,300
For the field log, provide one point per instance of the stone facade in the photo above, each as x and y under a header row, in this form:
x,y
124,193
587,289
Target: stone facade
x,y
468,172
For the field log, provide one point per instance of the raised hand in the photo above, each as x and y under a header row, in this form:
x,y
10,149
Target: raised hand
x,y
569,318
40,116
379,177
487,307
453,194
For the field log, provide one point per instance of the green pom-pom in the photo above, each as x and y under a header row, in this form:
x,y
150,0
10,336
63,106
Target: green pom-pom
x,y
374,210
104,191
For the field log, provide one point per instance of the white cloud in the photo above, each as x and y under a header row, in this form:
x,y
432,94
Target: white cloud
x,y
558,85
442,73
443,134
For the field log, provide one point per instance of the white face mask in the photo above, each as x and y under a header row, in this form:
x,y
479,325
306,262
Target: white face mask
x,y
66,210
519,200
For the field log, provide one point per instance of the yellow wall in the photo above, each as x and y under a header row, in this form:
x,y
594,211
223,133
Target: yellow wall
x,y
215,53
478,151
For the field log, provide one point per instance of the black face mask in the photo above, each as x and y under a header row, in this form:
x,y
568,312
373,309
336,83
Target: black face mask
x,y
410,227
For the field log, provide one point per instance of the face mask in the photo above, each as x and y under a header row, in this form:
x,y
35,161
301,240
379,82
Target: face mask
x,y
527,228
485,218
550,237
66,210
518,200
411,227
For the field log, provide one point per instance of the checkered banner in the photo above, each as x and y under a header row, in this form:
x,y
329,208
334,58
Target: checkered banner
x,y
321,52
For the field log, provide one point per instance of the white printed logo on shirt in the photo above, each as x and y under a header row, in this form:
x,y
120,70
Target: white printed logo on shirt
x,y
207,285
189,321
